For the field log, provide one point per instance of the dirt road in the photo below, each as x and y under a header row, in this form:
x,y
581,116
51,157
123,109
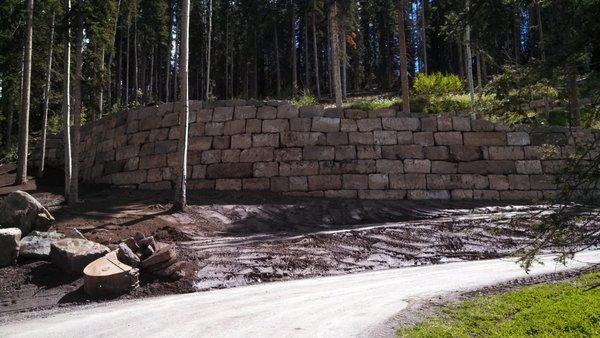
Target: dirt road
x,y
349,305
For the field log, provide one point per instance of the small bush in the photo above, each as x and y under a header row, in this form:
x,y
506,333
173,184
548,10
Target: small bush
x,y
437,84
377,103
448,104
306,99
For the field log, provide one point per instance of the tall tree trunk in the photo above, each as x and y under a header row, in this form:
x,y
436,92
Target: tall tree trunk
x,y
101,94
208,49
574,112
461,61
136,85
109,86
540,27
119,78
316,56
517,34
306,59
77,107
335,56
255,65
168,55
150,95
127,88
469,63
277,64
180,202
67,104
25,101
478,63
46,99
424,35
403,58
293,41
344,64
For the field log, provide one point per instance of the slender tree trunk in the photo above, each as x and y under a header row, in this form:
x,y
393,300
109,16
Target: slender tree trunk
x,y
573,97
306,59
316,56
478,62
424,35
150,95
461,61
120,70
277,64
168,56
293,41
25,101
403,58
344,64
180,202
208,49
127,88
77,99
540,27
335,49
101,94
46,99
67,105
469,63
517,34
109,86
136,85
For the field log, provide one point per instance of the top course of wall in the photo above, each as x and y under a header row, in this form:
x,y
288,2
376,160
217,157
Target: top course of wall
x,y
274,146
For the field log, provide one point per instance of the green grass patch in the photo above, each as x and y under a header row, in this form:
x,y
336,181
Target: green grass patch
x,y
568,309
376,103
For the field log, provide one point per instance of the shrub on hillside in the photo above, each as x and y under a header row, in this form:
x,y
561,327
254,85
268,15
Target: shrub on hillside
x,y
437,84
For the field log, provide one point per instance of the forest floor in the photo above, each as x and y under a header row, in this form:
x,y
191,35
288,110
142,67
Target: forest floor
x,y
232,238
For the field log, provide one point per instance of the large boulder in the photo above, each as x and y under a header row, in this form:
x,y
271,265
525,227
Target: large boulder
x,y
37,244
73,255
21,210
9,245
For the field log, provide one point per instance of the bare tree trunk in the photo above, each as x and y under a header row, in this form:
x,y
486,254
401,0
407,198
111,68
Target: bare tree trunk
x,y
77,98
255,66
208,49
293,41
168,51
517,34
136,85
461,61
25,101
180,202
67,104
46,99
109,86
344,64
469,62
574,112
316,56
335,57
127,62
119,78
306,59
151,82
101,94
403,58
277,64
424,35
478,63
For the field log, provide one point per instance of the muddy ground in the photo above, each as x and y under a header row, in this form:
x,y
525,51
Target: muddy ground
x,y
232,239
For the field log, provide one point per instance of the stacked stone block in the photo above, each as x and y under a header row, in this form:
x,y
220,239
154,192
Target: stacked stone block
x,y
312,151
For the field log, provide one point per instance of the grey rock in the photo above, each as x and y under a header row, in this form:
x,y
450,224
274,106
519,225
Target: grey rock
x,y
73,255
21,210
127,256
9,245
37,244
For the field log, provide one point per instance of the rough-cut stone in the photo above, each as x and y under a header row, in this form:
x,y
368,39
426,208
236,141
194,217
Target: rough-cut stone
x,y
257,155
244,112
72,255
9,245
417,166
369,124
266,169
378,181
325,124
443,167
298,183
506,153
484,138
518,139
311,111
127,256
436,153
266,113
408,181
465,153
337,138
234,127
37,244
444,123
428,194
404,137
424,138
221,114
229,170
365,138
280,184
519,182
401,123
390,166
385,137
324,182
461,123
232,184
529,167
354,181
402,152
265,140
301,139
449,138
256,184
300,124
243,141
343,153
348,125
20,210
482,125
319,153
499,182
368,152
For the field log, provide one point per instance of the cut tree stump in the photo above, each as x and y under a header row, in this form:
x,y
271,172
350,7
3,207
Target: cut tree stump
x,y
107,276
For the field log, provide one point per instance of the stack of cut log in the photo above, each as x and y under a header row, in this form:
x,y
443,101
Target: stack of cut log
x,y
157,258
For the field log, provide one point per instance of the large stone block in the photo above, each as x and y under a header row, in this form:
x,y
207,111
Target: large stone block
x,y
482,125
326,124
443,167
265,140
347,167
230,155
288,154
519,182
343,153
487,167
448,138
428,195
408,181
9,245
211,156
436,153
244,112
465,153
368,152
356,182
461,123
518,139
369,124
221,114
506,153
234,127
266,169
299,168
242,141
499,182
348,125
424,138
153,161
402,152
382,194
379,181
390,166
543,182
302,139
365,138
529,167
170,119
385,137
320,153
444,123
257,155
200,143
214,128
337,138
298,183
229,170
417,166
484,138
324,182
280,184
311,111
405,137
228,184
449,182
73,255
165,147
300,124
556,139
127,152
275,126
256,184
401,123
266,113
